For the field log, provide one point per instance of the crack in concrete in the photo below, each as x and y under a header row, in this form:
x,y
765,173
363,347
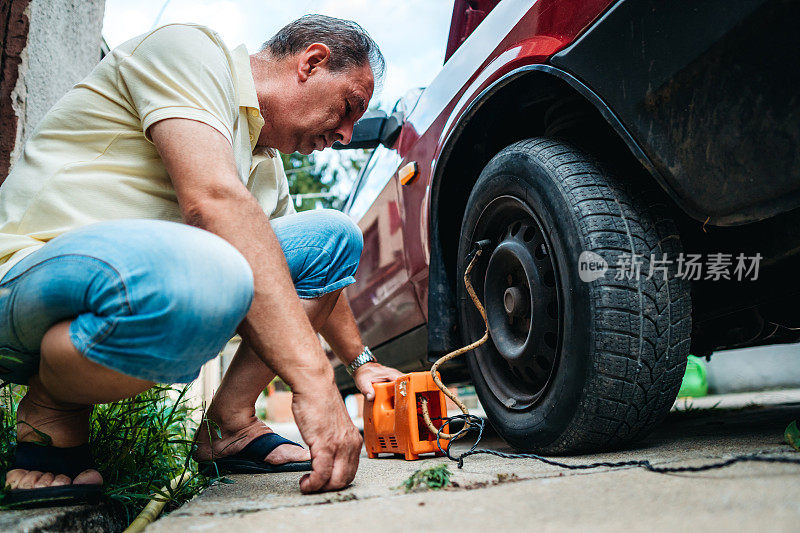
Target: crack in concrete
x,y
502,478
339,498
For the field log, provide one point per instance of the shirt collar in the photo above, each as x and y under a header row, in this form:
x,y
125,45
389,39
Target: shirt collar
x,y
248,98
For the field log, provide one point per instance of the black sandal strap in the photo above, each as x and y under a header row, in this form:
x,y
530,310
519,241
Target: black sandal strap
x,y
68,461
262,446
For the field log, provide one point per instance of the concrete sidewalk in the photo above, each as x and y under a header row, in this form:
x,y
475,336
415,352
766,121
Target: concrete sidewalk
x,y
534,496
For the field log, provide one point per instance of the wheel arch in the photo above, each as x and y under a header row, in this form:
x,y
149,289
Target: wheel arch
x,y
535,100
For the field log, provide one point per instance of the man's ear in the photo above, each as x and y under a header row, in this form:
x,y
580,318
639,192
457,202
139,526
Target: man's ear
x,y
315,56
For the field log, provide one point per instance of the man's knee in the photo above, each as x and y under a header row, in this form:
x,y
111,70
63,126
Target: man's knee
x,y
345,236
215,295
208,287
184,273
322,249
335,234
182,297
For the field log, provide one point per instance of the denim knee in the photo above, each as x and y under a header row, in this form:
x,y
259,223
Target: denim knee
x,y
322,249
345,236
184,297
150,299
215,298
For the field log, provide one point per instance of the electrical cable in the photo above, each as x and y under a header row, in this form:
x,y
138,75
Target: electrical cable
x,y
474,423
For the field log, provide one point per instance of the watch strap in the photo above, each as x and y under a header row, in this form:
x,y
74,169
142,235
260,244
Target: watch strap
x,y
363,358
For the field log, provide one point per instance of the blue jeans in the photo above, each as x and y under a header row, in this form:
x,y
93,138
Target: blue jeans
x,y
155,300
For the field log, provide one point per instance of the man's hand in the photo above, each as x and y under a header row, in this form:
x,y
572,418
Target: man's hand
x,y
370,373
334,441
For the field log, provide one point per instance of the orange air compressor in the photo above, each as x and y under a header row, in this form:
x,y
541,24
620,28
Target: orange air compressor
x,y
393,421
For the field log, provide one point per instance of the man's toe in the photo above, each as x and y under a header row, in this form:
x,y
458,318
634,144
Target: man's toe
x,y
45,480
33,479
13,477
88,477
287,453
29,480
60,480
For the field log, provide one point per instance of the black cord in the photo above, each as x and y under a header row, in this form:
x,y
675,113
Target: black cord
x,y
472,422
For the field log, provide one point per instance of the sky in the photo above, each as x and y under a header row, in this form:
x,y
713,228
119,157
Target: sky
x,y
412,34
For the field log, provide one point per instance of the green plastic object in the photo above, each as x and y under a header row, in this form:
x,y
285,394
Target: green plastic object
x,y
695,382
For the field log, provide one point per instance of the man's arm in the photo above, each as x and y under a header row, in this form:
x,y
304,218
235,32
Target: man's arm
x,y
201,164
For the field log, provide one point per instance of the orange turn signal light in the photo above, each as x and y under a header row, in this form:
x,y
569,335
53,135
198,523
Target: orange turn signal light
x,y
408,173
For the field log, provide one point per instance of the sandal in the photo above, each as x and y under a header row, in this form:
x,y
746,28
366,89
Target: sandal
x,y
250,460
68,461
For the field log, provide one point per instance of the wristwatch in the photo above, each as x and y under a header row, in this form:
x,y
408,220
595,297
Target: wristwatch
x,y
362,359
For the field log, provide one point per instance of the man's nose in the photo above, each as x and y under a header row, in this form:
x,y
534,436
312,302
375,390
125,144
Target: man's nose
x,y
344,133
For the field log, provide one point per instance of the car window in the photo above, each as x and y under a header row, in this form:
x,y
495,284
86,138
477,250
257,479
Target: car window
x,y
408,102
379,170
359,183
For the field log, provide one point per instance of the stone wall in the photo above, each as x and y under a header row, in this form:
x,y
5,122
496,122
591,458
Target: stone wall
x,y
47,47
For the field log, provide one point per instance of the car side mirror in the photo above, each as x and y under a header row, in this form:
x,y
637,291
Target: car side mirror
x,y
374,128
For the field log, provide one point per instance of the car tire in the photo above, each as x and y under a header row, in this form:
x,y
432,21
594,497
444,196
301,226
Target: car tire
x,y
595,364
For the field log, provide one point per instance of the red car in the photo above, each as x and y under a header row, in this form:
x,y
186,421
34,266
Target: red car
x,y
634,167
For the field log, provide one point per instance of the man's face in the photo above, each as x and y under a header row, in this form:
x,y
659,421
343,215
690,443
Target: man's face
x,y
317,107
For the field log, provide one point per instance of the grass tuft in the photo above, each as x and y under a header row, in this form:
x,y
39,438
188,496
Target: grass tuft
x,y
140,444
433,478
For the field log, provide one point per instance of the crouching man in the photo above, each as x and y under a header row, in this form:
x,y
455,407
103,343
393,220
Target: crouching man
x,y
136,239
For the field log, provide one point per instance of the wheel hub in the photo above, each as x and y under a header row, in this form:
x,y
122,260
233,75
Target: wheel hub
x,y
514,302
522,304
514,290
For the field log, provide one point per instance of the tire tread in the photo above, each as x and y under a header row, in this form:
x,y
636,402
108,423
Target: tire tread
x,y
641,341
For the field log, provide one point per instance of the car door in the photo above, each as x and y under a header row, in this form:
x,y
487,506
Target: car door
x,y
383,299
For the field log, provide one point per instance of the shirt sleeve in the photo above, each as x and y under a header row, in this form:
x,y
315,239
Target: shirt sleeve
x,y
181,71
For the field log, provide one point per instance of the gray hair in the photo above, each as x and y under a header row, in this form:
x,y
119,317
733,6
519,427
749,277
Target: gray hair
x,y
350,45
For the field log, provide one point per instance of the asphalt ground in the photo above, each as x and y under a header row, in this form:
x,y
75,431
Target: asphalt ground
x,y
526,495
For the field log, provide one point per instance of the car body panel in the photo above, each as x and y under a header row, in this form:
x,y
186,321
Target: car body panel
x,y
708,106
382,299
467,15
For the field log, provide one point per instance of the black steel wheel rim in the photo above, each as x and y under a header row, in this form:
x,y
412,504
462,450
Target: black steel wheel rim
x,y
517,282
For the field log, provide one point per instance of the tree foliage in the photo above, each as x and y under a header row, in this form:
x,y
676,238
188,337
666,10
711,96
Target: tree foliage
x,y
331,172
305,177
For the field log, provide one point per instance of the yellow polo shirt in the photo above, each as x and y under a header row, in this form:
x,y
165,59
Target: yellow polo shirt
x,y
89,159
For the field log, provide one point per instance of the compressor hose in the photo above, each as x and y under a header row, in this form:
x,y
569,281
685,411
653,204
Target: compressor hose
x,y
466,417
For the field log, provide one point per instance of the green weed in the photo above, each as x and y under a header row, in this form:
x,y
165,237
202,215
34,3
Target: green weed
x,y
433,478
139,444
